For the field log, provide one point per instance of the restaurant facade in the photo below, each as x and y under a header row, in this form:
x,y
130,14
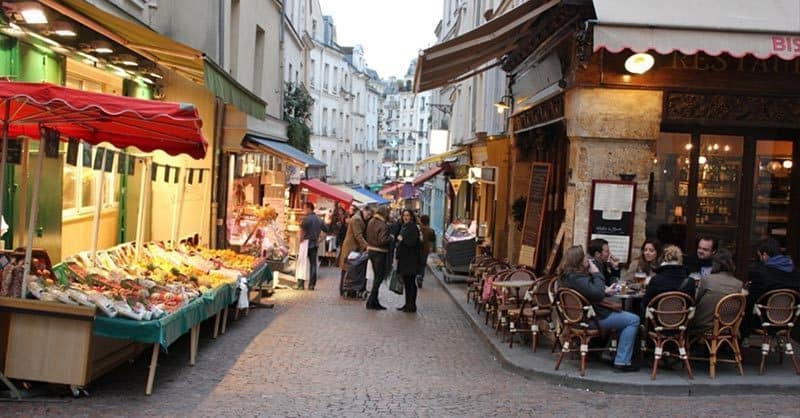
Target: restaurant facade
x,y
628,126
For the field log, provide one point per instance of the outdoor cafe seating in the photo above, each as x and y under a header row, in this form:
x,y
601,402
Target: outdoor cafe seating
x,y
520,306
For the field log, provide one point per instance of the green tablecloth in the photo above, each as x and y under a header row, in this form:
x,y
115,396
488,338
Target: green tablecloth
x,y
166,330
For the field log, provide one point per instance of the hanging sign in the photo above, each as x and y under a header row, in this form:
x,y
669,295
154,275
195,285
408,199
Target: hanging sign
x,y
109,162
72,152
456,184
121,161
99,156
14,153
534,213
611,215
87,155
50,140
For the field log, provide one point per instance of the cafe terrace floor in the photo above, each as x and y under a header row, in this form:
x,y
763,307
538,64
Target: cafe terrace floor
x,y
777,379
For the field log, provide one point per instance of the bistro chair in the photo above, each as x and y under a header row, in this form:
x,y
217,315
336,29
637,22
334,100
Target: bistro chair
x,y
577,317
728,316
493,272
539,309
777,311
489,297
668,316
475,281
508,306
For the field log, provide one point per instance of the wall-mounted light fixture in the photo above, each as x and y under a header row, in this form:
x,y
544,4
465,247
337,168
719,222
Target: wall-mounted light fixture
x,y
32,13
101,47
639,63
504,104
63,28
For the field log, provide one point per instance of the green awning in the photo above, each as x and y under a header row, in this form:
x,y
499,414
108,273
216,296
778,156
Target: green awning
x,y
163,50
222,85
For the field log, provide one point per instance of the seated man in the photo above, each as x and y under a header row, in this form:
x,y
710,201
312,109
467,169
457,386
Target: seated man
x,y
605,261
774,271
701,261
720,283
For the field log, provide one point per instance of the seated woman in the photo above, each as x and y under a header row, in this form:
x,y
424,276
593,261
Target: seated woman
x,y
670,276
579,274
720,283
646,263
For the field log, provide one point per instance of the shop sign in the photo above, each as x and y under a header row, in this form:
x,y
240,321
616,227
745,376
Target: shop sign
x,y
549,111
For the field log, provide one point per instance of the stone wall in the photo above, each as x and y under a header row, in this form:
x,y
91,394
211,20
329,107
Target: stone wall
x,y
611,131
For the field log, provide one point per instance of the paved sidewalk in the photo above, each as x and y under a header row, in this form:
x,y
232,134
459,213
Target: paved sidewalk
x,y
319,355
599,376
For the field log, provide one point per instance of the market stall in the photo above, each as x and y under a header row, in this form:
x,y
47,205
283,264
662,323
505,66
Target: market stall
x,y
52,113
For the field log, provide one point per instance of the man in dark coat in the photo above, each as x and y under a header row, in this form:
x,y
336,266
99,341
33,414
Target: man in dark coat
x,y
701,262
774,271
602,258
310,229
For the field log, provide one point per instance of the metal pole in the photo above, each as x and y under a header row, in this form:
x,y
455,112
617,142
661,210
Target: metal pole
x,y
32,221
3,159
98,206
178,208
140,214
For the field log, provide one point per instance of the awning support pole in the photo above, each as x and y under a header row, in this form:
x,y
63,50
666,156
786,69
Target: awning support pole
x,y
140,215
4,159
177,209
32,220
98,207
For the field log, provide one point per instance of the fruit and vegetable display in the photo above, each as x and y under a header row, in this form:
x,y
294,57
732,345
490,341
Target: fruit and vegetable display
x,y
159,283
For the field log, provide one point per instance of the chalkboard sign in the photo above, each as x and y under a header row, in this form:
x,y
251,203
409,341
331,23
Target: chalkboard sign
x,y
534,213
14,153
611,215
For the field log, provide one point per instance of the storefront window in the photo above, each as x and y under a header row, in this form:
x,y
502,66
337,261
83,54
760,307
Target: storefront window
x,y
79,186
714,212
771,192
667,210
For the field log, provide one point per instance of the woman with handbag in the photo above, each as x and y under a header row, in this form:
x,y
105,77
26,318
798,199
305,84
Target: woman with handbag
x,y
408,254
579,274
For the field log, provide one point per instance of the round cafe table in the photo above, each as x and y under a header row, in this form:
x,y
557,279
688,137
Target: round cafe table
x,y
513,284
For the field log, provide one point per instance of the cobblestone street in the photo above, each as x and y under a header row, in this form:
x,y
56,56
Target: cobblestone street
x,y
317,354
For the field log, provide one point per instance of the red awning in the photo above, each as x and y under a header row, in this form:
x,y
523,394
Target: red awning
x,y
427,175
390,188
95,117
326,190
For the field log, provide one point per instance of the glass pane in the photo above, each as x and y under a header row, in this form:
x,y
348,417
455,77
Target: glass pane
x,y
87,189
720,173
771,192
666,208
69,187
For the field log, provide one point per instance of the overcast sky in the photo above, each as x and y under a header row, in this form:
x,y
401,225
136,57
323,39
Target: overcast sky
x,y
391,31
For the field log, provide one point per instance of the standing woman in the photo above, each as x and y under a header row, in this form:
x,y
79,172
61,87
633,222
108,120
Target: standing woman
x,y
409,257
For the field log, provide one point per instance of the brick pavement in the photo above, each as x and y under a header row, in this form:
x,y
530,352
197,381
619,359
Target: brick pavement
x,y
316,354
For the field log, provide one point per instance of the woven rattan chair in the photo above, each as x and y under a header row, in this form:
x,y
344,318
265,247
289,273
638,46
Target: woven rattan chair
x,y
537,309
668,315
493,271
577,317
478,269
778,311
727,317
492,303
508,307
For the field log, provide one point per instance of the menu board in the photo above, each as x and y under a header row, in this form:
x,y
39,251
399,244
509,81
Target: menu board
x,y
534,213
611,215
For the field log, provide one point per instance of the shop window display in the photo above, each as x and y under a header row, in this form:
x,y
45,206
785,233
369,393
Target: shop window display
x,y
772,191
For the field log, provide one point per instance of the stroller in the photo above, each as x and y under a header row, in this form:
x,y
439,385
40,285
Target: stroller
x,y
354,283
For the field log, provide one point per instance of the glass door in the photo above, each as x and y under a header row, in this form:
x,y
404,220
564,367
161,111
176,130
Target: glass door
x,y
771,193
719,175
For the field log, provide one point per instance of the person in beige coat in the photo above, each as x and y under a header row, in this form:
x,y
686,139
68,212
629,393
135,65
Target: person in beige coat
x,y
355,239
720,283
